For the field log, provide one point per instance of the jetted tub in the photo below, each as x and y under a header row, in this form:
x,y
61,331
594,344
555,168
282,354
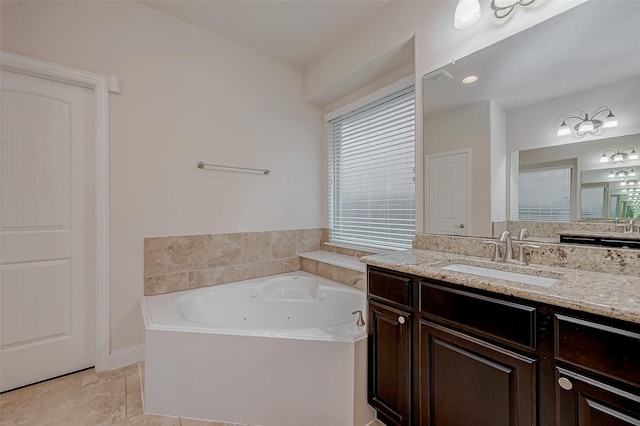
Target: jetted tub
x,y
283,350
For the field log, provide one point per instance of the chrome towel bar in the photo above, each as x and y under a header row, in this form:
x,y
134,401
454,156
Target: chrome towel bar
x,y
202,165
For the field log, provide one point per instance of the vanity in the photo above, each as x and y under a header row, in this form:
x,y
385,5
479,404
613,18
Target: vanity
x,y
453,348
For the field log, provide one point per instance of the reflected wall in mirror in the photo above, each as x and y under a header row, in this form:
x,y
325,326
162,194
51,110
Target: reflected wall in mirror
x,y
579,61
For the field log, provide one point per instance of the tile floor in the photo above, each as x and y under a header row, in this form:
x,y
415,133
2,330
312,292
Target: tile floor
x,y
85,399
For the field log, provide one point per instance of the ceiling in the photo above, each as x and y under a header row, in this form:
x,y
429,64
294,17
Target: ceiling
x,y
295,31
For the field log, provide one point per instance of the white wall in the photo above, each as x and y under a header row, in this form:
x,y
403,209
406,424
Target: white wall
x,y
187,96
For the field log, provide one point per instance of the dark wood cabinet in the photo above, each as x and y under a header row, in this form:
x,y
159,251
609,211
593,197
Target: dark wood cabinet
x,y
390,363
442,354
464,378
584,401
598,372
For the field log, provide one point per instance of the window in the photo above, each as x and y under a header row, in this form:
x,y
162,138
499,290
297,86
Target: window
x,y
545,194
371,173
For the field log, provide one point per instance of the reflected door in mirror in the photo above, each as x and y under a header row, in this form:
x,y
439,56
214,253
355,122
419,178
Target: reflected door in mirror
x,y
447,193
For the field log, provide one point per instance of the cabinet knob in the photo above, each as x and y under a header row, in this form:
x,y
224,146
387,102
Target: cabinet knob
x,y
565,383
401,319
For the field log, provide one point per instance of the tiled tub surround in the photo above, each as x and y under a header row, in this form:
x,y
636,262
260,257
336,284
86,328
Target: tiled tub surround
x,y
611,295
586,258
336,266
185,262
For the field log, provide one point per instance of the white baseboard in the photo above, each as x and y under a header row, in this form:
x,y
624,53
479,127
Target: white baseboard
x,y
126,356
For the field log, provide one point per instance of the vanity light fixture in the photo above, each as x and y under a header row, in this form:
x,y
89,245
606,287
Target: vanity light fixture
x,y
467,13
588,125
502,8
619,156
622,173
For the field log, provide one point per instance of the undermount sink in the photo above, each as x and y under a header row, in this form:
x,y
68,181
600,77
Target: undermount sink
x,y
502,275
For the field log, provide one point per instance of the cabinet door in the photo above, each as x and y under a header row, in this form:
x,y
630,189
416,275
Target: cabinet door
x,y
584,401
390,363
464,380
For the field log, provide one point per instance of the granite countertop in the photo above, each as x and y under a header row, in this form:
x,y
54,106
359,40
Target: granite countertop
x,y
610,295
633,236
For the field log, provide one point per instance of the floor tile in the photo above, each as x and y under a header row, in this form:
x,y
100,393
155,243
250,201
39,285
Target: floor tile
x,y
193,422
133,395
149,420
97,405
61,387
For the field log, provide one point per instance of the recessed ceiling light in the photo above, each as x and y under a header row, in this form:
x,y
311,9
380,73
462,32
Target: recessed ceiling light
x,y
470,79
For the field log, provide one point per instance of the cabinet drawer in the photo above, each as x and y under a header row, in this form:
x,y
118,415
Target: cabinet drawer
x,y
611,351
392,288
508,321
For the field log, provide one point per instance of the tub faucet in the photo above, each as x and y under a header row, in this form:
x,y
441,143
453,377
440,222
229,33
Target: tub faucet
x,y
360,320
355,280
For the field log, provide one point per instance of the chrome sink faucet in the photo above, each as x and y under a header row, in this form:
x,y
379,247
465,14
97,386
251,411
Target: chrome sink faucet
x,y
507,257
523,234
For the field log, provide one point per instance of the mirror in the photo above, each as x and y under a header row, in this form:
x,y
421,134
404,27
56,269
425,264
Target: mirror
x,y
577,62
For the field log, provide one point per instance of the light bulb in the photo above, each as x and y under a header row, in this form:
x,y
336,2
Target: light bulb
x,y
632,172
633,155
611,174
623,183
564,130
610,121
467,13
604,158
618,158
585,126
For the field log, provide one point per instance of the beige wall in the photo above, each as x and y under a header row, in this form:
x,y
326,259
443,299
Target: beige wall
x,y
187,95
444,133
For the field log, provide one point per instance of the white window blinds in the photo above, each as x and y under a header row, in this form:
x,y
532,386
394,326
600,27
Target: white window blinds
x,y
545,195
371,173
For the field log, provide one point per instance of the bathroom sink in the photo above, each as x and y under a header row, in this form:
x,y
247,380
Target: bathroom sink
x,y
502,275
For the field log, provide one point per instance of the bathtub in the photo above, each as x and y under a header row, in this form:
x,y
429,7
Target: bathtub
x,y
283,350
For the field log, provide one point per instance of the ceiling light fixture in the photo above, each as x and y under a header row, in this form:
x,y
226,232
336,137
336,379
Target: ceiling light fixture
x,y
502,8
470,79
467,13
620,156
588,125
622,173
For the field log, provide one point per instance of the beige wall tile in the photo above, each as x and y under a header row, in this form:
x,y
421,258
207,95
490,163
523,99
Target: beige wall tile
x,y
168,283
205,277
256,246
223,249
309,265
308,240
283,244
165,255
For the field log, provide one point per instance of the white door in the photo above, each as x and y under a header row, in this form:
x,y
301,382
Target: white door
x,y
447,184
47,323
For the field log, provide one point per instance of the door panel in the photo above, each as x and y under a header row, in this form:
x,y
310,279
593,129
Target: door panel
x,y
46,250
447,188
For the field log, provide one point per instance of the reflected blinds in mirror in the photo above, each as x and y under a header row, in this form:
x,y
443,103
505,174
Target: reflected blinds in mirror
x,y
371,173
545,194
593,202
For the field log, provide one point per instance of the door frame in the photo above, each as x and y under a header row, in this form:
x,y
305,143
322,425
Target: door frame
x,y
100,86
428,157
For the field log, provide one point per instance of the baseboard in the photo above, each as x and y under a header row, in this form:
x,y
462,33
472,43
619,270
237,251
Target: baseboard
x,y
126,356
